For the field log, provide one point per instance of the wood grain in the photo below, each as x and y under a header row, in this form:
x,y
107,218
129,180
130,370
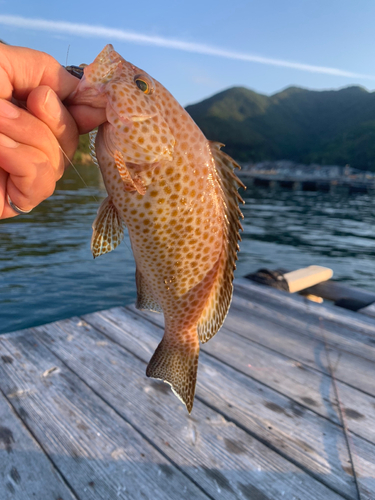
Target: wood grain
x,y
215,453
99,454
84,422
317,445
309,387
25,471
277,331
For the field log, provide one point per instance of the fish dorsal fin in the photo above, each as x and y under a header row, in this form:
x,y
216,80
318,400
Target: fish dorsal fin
x,y
218,302
145,298
92,147
108,229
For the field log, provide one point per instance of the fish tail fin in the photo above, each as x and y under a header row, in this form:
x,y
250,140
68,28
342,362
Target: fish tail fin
x,y
177,363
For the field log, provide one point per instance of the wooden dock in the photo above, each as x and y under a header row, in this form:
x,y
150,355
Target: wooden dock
x,y
285,407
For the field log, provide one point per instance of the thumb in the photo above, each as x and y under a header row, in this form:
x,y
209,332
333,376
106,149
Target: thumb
x,y
86,117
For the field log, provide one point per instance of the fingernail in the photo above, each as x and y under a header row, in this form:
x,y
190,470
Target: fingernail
x,y
7,141
9,110
52,105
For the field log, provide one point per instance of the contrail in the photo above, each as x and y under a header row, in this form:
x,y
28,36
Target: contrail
x,y
85,30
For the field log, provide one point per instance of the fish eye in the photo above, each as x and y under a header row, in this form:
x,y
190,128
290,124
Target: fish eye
x,y
143,85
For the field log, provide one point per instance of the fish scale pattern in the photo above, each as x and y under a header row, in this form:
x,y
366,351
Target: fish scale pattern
x,y
177,194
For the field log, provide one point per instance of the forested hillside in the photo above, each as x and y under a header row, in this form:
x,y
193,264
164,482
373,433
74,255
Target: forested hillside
x,y
325,127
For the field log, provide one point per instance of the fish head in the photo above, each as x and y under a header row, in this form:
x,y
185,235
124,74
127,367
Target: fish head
x,y
91,89
104,67
134,104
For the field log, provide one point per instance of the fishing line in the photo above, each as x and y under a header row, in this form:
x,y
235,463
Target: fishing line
x,y
23,105
79,175
67,55
83,180
352,455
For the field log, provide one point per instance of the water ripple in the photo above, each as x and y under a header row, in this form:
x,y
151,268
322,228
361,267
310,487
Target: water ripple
x,y
47,271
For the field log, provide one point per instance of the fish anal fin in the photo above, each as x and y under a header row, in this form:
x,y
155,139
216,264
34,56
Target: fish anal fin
x,y
177,363
130,183
108,229
145,298
220,277
219,280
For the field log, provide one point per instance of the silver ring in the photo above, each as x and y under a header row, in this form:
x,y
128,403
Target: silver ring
x,y
15,208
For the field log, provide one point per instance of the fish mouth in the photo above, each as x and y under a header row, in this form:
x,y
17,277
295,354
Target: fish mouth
x,y
86,94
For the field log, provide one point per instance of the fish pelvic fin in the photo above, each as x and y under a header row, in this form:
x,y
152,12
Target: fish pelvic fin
x,y
176,364
107,229
221,276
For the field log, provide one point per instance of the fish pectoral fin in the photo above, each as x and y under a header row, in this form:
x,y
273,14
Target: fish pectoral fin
x,y
145,298
130,183
108,229
176,363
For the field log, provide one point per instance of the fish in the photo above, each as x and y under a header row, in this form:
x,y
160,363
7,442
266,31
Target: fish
x,y
177,194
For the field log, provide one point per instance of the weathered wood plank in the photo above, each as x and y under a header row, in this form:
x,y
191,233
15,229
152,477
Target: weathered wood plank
x,y
344,337
364,463
359,411
216,454
277,333
369,310
282,300
279,372
363,452
292,378
99,454
304,437
304,385
25,471
301,428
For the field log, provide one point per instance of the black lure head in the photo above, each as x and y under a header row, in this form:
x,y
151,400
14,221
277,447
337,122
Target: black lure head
x,y
76,71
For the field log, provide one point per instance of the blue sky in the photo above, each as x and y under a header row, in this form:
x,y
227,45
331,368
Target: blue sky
x,y
220,39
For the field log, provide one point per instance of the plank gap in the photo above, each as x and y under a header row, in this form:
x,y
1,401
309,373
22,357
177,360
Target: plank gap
x,y
250,376
273,448
55,467
136,429
228,417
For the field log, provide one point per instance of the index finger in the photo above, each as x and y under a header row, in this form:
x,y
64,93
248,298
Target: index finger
x,y
22,70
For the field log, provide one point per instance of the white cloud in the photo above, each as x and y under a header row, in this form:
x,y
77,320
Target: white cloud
x,y
86,30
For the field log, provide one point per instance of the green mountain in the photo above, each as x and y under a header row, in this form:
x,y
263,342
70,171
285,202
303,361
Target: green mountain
x,y
325,127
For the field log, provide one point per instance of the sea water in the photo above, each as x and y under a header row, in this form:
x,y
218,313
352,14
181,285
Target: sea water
x,y
47,271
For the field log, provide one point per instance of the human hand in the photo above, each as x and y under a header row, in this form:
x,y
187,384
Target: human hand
x,y
35,133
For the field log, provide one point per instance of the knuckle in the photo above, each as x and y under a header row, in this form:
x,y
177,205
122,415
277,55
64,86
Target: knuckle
x,y
48,189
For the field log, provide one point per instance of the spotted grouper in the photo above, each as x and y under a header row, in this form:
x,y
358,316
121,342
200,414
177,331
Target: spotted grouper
x,y
177,194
